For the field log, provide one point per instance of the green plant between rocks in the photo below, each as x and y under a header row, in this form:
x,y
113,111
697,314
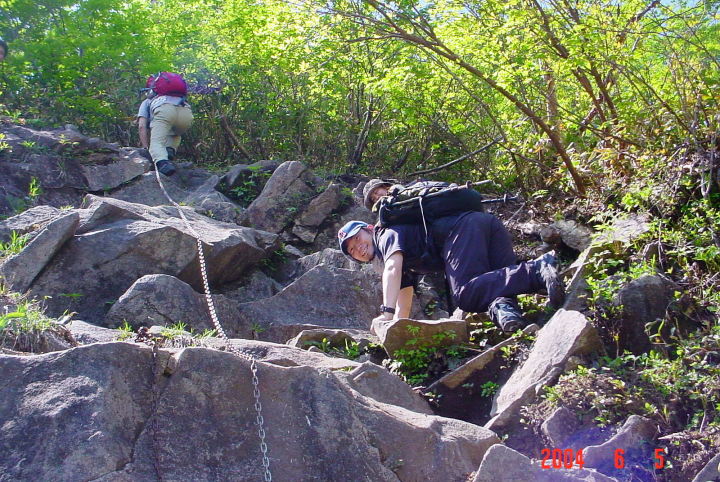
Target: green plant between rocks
x,y
126,331
23,327
351,349
422,360
16,244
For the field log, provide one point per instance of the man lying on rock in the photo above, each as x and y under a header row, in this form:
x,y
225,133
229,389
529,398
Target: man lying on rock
x,y
475,252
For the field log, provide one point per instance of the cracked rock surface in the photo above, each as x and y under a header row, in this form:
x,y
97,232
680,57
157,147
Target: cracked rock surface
x,y
116,411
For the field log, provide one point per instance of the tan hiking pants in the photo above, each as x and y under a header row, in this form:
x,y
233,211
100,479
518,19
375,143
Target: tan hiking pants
x,y
169,122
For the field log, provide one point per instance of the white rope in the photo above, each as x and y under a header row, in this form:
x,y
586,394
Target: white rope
x,y
218,327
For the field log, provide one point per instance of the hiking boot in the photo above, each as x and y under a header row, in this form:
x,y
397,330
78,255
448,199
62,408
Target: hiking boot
x,y
165,167
546,269
171,153
505,312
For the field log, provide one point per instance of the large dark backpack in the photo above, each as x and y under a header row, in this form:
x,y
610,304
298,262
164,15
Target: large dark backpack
x,y
425,201
422,203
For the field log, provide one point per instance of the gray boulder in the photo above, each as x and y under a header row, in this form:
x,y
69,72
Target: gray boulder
x,y
118,242
376,382
642,301
19,271
65,163
572,234
317,211
28,221
405,333
567,333
290,187
329,257
503,464
85,333
559,426
711,471
621,233
109,411
114,171
255,286
635,433
196,192
160,299
322,297
241,173
146,190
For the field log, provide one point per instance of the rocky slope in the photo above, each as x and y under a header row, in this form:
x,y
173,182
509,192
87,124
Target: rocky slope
x,y
96,239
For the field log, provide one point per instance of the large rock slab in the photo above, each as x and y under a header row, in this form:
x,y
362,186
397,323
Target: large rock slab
x,y
86,333
503,464
194,191
613,240
160,299
405,333
28,221
290,187
74,415
329,257
568,333
642,301
114,172
322,297
146,190
319,208
255,286
65,164
572,234
119,242
19,271
109,411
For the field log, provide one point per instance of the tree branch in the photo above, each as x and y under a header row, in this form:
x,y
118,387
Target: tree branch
x,y
459,159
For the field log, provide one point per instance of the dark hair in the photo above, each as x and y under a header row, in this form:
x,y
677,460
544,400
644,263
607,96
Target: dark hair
x,y
4,45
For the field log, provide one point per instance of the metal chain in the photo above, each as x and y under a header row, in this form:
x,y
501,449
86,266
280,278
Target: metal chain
x,y
259,420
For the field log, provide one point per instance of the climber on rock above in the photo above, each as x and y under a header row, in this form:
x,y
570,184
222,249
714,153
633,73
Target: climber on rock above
x,y
375,189
166,113
475,252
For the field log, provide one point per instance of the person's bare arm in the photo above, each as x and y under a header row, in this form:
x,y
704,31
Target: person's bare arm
x,y
404,302
143,131
391,278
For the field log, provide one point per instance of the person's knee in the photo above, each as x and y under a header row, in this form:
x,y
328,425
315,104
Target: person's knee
x,y
468,299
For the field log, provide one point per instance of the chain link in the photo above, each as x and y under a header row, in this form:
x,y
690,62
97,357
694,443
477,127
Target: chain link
x,y
259,420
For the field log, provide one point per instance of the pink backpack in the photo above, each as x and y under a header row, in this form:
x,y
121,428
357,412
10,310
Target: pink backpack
x,y
167,83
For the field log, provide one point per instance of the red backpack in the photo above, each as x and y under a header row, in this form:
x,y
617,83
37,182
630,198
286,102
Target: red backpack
x,y
167,83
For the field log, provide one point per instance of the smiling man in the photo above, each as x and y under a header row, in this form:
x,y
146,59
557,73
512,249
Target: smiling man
x,y
474,251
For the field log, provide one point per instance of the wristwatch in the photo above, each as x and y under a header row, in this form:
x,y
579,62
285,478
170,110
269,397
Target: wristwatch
x,y
387,309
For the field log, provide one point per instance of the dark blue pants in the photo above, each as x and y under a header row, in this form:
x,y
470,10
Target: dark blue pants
x,y
480,263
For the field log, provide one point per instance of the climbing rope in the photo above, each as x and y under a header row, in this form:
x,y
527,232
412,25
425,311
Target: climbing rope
x,y
259,420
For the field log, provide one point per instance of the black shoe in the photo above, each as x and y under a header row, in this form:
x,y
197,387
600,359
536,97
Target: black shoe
x,y
165,167
506,314
546,266
171,153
